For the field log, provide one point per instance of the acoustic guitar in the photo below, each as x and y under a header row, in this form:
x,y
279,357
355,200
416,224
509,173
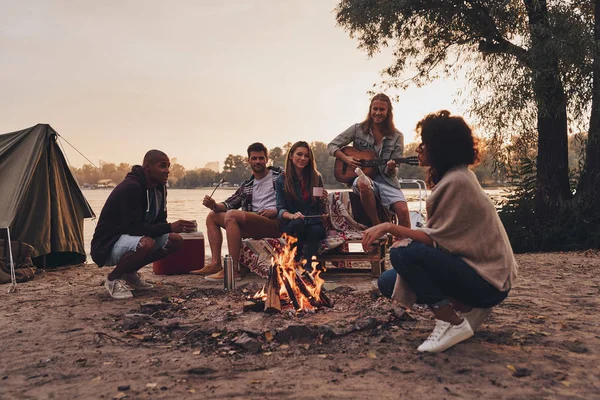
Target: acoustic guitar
x,y
369,162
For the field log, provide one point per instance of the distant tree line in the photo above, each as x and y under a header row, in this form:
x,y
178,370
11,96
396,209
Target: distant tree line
x,y
236,170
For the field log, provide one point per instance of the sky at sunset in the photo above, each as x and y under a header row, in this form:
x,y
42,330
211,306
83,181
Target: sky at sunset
x,y
198,79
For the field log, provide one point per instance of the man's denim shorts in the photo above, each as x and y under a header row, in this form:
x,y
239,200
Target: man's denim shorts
x,y
386,192
128,243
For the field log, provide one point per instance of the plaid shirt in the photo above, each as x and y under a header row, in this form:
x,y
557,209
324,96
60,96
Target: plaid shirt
x,y
243,196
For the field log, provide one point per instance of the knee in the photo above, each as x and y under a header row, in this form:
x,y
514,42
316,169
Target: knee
x,y
145,245
401,207
232,217
386,282
174,241
211,218
398,260
363,186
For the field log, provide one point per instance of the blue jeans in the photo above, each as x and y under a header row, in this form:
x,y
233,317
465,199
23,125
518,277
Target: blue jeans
x,y
309,236
437,276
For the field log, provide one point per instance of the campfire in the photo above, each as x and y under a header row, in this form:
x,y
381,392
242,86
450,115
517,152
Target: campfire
x,y
289,285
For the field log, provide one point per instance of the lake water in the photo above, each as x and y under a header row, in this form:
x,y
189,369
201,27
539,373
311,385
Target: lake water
x,y
187,204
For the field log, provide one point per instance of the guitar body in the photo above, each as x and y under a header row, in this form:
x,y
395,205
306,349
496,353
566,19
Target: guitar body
x,y
345,173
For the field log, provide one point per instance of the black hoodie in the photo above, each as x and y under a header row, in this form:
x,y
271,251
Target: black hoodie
x,y
124,212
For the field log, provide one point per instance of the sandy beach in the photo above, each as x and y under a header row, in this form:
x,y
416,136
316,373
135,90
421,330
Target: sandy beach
x,y
64,338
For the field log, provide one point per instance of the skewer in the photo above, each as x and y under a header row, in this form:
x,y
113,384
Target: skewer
x,y
317,216
218,184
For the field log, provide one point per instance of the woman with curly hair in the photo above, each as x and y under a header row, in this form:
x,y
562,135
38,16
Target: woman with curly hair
x,y
297,204
462,263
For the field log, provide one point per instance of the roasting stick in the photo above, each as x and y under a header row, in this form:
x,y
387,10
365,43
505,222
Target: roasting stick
x,y
317,216
218,184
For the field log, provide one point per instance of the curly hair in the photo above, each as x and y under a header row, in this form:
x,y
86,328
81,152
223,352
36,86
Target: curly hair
x,y
448,141
389,127
310,172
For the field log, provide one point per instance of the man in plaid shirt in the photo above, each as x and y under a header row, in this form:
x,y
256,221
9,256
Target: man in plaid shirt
x,y
257,218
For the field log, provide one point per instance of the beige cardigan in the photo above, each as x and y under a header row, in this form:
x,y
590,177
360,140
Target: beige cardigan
x,y
463,221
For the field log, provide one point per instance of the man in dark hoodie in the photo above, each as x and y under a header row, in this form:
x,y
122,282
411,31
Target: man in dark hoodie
x,y
132,230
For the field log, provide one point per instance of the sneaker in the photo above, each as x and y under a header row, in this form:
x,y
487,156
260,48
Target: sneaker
x,y
476,316
135,282
449,336
207,270
219,276
117,289
440,328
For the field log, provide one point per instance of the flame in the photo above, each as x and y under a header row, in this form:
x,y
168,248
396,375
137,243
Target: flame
x,y
305,286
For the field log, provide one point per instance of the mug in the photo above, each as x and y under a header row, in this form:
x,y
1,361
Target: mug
x,y
317,191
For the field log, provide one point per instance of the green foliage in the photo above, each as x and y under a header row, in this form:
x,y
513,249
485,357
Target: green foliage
x,y
529,66
200,177
236,169
277,157
575,226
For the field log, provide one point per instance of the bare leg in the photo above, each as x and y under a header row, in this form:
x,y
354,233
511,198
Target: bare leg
x,y
134,260
447,313
174,243
400,208
460,306
214,222
234,220
367,198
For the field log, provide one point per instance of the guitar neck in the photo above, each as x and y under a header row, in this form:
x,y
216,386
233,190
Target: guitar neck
x,y
380,161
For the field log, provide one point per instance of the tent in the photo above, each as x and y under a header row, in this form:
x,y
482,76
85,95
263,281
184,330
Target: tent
x,y
40,201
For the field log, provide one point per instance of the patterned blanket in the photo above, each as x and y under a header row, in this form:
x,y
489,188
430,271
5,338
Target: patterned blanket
x,y
340,226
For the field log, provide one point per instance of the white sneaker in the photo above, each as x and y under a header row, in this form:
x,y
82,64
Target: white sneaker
x,y
451,335
476,316
440,328
117,289
135,282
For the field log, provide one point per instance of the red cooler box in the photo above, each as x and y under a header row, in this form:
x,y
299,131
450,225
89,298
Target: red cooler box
x,y
190,257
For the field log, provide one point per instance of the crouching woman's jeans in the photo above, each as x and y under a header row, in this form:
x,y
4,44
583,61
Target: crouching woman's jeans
x,y
437,276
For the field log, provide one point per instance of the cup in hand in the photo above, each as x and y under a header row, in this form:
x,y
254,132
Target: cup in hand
x,y
195,228
317,191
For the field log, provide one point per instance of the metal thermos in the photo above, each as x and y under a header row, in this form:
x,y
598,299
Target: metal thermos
x,y
228,277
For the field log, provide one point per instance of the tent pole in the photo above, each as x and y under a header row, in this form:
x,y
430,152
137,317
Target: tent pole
x,y
13,278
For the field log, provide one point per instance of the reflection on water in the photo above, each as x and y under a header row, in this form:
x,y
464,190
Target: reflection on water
x,y
187,204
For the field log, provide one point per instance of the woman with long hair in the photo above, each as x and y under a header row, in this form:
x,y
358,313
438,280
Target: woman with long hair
x,y
300,203
462,263
376,134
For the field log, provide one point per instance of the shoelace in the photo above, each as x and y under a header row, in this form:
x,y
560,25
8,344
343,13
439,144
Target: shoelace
x,y
119,286
438,330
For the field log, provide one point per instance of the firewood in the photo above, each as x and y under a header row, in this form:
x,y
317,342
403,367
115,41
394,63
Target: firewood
x,y
324,300
273,302
254,305
302,286
290,292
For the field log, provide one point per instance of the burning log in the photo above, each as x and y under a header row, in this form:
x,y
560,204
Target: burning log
x,y
287,286
323,300
273,301
290,293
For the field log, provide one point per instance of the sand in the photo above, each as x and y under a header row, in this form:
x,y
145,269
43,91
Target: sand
x,y
62,337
